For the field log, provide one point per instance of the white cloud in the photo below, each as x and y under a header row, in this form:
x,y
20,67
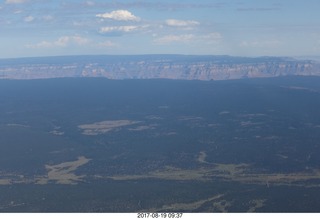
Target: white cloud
x,y
90,3
79,40
181,23
15,1
209,38
212,37
119,15
107,43
260,43
118,29
42,44
61,42
174,38
47,18
28,19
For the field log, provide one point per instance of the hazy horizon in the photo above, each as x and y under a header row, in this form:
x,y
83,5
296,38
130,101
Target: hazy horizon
x,y
302,57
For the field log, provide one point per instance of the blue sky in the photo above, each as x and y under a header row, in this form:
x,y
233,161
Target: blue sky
x,y
215,27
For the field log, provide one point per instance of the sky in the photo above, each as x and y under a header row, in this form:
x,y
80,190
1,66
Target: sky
x,y
31,28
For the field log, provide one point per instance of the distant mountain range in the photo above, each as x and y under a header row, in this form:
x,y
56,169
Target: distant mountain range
x,y
181,67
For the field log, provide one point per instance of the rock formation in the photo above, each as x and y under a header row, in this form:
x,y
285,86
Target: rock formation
x,y
156,66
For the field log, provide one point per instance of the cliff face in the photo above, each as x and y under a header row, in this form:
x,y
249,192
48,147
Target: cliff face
x,y
156,66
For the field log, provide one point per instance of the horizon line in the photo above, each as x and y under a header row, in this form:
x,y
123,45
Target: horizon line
x,y
161,54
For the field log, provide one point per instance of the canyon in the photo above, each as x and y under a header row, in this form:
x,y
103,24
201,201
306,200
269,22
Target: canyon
x,y
180,67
